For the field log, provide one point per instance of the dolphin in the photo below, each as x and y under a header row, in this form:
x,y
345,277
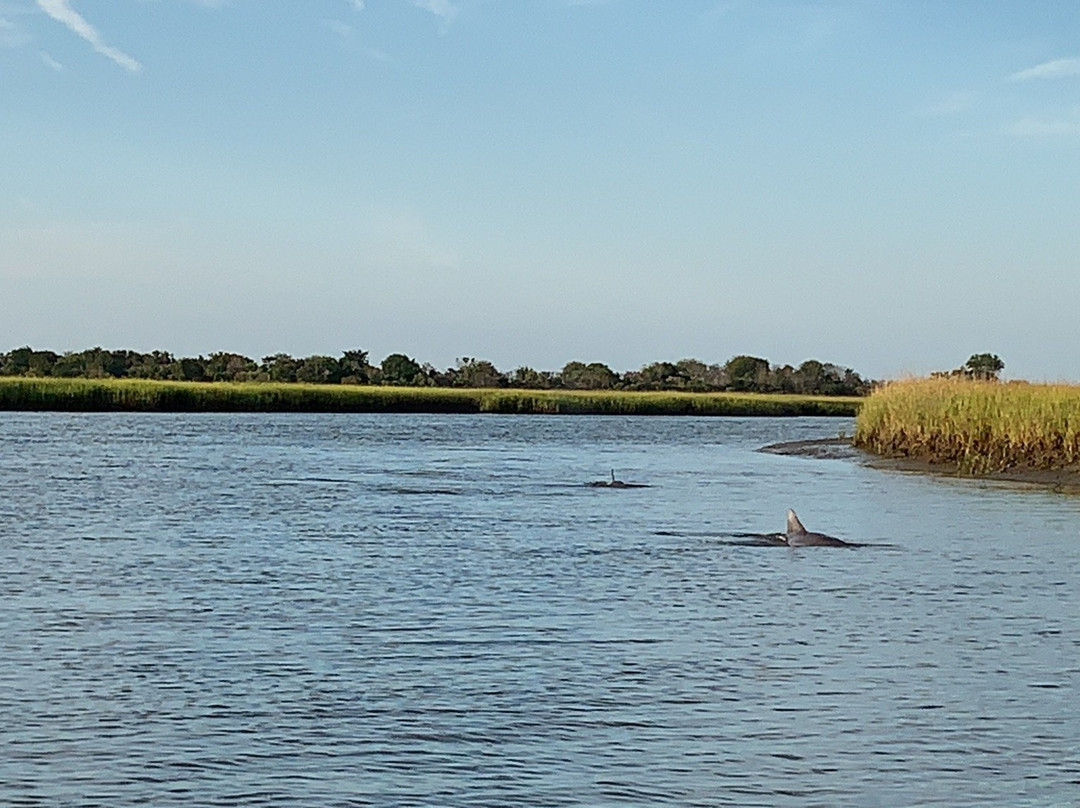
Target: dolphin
x,y
615,483
799,536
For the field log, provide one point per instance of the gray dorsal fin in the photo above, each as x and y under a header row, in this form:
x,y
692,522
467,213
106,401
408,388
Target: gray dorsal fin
x,y
794,526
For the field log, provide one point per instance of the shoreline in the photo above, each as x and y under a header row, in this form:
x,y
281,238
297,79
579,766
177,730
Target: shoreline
x,y
1065,480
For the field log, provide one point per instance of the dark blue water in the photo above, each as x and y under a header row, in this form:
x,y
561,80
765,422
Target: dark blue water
x,y
339,610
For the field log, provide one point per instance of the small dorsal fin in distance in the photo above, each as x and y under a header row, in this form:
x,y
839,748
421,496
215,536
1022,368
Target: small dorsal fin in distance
x,y
794,526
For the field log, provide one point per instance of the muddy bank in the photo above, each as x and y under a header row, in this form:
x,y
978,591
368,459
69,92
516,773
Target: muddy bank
x,y
822,449
1064,479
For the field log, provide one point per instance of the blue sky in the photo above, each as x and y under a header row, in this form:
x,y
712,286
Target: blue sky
x,y
887,185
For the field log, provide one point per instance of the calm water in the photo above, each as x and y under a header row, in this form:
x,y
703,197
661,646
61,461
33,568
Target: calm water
x,y
433,610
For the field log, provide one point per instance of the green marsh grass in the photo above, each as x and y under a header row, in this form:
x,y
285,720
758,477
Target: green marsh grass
x,y
20,393
980,427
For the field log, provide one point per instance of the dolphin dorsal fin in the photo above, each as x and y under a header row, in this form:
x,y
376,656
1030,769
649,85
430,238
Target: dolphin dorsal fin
x,y
794,526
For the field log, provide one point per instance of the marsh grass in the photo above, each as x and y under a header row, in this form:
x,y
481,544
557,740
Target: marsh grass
x,y
980,427
139,395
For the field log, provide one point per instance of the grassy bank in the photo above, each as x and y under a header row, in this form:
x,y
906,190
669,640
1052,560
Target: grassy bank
x,y
978,427
131,395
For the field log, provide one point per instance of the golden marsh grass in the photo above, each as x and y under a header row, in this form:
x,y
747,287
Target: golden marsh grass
x,y
21,393
980,427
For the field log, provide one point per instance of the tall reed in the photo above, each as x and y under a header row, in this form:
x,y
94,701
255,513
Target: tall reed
x,y
980,427
22,393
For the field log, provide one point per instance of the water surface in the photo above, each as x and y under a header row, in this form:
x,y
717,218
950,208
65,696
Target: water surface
x,y
349,610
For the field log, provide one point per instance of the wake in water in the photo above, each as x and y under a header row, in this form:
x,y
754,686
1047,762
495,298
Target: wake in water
x,y
744,539
741,539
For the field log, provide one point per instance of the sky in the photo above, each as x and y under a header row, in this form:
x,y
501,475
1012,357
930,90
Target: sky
x,y
888,185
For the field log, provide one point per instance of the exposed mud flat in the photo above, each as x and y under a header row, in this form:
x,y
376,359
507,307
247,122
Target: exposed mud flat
x,y
1063,479
822,449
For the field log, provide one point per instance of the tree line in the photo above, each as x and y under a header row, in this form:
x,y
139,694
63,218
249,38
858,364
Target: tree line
x,y
983,366
740,373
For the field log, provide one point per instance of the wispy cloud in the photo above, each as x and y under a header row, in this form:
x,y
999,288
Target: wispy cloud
x,y
51,62
954,104
1033,127
11,35
1056,69
723,8
376,54
347,33
356,4
444,9
62,12
342,29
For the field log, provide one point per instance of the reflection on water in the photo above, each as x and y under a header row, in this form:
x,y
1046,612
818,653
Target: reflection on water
x,y
436,610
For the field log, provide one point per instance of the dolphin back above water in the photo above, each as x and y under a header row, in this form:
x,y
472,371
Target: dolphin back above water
x,y
799,536
614,483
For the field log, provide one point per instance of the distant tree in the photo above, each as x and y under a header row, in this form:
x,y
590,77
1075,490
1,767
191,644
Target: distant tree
x,y
354,367
593,376
98,363
26,361
399,369
191,369
154,365
782,379
92,362
817,378
529,379
229,367
118,364
658,376
319,370
477,373
808,377
70,365
983,366
439,378
739,373
700,376
856,385
41,363
16,362
279,367
747,373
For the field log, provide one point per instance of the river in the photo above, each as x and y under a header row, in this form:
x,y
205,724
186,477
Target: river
x,y
383,610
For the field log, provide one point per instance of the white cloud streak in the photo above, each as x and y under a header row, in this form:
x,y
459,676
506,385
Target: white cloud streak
x,y
440,8
62,12
51,62
1056,69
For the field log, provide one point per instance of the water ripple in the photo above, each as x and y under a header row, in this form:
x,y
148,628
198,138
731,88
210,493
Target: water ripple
x,y
428,610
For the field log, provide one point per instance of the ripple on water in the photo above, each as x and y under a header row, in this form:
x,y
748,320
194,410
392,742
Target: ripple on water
x,y
357,610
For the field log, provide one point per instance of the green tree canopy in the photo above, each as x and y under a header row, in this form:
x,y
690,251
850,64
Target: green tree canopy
x,y
399,369
354,367
660,376
983,366
747,373
319,370
280,367
229,367
593,376
477,373
530,379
